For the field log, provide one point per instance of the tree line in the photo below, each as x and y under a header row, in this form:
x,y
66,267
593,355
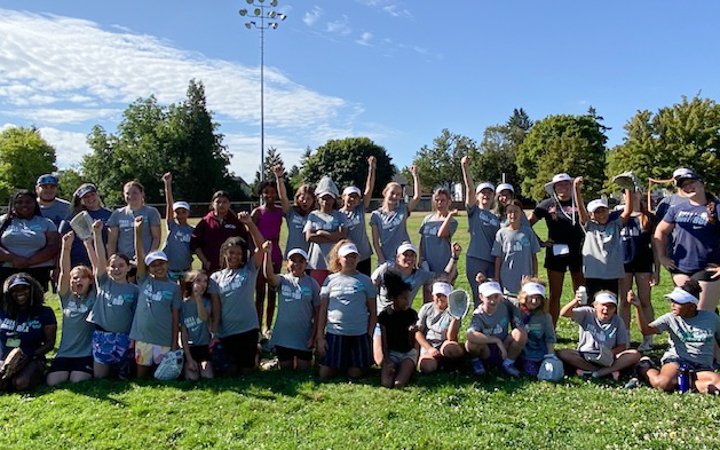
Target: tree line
x,y
152,138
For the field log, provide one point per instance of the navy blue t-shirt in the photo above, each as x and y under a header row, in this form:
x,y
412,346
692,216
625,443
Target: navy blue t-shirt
x,y
27,329
78,254
696,241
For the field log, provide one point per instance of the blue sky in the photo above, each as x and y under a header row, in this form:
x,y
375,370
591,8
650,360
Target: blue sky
x,y
398,71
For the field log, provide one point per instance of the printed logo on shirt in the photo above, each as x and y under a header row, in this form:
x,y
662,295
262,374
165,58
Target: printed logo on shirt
x,y
230,226
344,292
21,227
695,335
431,230
126,223
117,300
298,221
183,237
396,221
291,293
353,221
156,296
601,336
9,324
75,309
193,323
693,218
235,283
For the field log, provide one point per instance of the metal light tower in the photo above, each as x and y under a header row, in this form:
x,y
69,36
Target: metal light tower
x,y
262,17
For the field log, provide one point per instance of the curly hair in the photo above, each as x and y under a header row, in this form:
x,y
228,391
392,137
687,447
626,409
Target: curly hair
x,y
37,295
333,257
395,285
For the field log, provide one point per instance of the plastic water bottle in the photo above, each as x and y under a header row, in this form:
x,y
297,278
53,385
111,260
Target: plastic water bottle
x,y
684,378
582,292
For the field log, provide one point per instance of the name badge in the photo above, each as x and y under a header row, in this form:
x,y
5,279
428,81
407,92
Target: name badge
x,y
13,342
560,249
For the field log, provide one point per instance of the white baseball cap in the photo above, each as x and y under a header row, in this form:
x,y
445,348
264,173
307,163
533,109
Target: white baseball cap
x,y
683,173
504,187
485,185
351,190
595,204
489,288
550,187
680,295
532,288
157,255
441,288
347,249
606,297
298,251
177,205
406,247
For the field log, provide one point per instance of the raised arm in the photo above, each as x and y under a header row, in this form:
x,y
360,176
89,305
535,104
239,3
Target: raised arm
x,y
566,310
642,322
270,275
451,266
100,264
370,182
113,233
445,229
469,183
279,172
169,199
416,189
577,187
257,238
65,265
139,247
628,210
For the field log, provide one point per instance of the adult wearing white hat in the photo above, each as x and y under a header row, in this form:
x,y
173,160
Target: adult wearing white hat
x,y
693,336
565,238
355,204
483,225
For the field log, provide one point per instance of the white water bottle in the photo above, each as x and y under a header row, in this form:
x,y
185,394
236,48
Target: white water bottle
x,y
582,292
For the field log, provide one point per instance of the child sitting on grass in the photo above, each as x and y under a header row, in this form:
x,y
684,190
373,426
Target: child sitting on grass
x,y
438,331
496,335
398,324
538,326
196,315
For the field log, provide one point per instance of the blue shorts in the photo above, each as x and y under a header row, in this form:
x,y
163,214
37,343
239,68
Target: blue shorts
x,y
110,348
495,358
695,367
344,352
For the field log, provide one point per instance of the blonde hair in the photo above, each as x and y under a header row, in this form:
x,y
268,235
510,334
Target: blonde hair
x,y
523,296
85,270
388,187
333,257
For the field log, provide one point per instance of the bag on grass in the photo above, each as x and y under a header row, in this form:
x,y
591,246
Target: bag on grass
x,y
458,303
551,369
171,366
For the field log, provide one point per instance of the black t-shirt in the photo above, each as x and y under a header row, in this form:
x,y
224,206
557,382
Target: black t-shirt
x,y
559,222
397,325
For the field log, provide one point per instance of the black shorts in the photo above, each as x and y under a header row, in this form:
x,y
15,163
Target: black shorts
x,y
595,285
561,263
642,263
200,353
80,364
241,349
287,354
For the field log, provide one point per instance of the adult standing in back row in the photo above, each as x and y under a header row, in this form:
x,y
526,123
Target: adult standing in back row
x,y
52,207
121,224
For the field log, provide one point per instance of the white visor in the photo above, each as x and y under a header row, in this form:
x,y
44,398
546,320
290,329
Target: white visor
x,y
347,249
441,288
298,251
681,296
534,289
606,297
490,288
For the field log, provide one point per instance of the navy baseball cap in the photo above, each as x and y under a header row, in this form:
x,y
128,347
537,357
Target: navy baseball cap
x,y
48,178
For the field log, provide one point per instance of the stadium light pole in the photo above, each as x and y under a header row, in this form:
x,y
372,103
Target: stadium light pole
x,y
263,16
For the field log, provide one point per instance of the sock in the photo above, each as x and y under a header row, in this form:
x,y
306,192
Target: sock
x,y
508,362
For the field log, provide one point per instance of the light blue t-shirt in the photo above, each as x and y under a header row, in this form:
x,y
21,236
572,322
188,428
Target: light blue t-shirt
x,y
691,339
236,289
484,225
114,306
297,300
57,211
197,329
177,246
76,337
357,231
497,324
296,236
434,323
392,228
318,220
347,311
416,279
153,321
541,332
594,333
25,237
436,250
124,219
515,249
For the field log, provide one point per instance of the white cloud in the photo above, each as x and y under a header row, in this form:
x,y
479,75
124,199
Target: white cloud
x,y
312,16
365,39
340,26
392,7
69,146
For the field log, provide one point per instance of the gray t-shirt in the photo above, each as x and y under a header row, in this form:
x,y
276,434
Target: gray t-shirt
x,y
357,231
236,289
693,339
347,311
434,323
539,328
602,251
296,235
153,319
177,246
484,225
297,300
436,250
318,220
515,249
57,211
124,219
416,279
76,337
594,333
25,237
197,329
392,228
114,306
499,324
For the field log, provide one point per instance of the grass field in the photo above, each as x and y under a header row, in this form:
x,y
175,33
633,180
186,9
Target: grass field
x,y
278,410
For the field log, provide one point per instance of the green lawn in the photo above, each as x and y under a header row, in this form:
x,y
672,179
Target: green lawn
x,y
277,410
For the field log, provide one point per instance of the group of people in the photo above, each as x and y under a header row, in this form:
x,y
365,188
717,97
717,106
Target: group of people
x,y
127,304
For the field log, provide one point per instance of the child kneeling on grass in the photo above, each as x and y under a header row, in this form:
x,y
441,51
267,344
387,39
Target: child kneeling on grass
x,y
693,336
496,335
293,336
538,326
196,315
438,331
156,325
398,324
603,347
347,315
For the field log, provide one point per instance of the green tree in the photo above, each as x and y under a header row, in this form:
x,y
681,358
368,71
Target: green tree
x,y
562,143
24,155
70,180
272,158
346,161
439,165
686,134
